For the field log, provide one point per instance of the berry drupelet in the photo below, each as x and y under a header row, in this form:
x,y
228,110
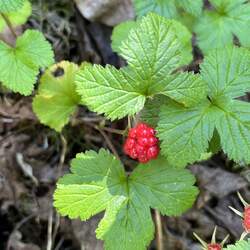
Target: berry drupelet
x,y
142,143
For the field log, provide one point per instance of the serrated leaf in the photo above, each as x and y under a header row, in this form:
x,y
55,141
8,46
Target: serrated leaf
x,y
185,132
57,96
215,29
98,182
234,130
153,52
227,72
151,110
10,5
19,66
161,7
168,8
109,91
120,34
17,17
193,7
240,245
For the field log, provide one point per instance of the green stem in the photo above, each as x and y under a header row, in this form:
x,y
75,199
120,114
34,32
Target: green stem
x,y
8,22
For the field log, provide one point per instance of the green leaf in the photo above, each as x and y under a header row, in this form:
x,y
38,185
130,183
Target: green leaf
x,y
109,91
161,7
17,17
185,88
227,72
120,34
19,66
98,182
185,132
150,113
168,8
153,52
10,5
192,7
215,29
234,130
57,96
240,245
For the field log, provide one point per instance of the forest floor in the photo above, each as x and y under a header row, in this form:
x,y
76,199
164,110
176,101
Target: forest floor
x,y
32,157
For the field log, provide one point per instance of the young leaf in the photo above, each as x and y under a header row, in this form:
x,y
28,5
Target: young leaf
x,y
17,17
161,7
120,34
167,8
10,5
19,66
153,52
98,182
57,95
185,132
121,31
240,245
216,28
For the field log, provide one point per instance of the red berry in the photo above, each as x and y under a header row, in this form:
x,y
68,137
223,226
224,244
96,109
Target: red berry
x,y
132,133
214,247
133,153
153,152
246,219
152,141
141,143
143,159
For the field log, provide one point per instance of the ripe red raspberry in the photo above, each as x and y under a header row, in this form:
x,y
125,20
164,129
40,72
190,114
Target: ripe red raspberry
x,y
214,247
246,219
141,143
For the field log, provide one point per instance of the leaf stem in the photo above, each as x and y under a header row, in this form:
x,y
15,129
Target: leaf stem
x,y
110,144
113,130
159,233
8,22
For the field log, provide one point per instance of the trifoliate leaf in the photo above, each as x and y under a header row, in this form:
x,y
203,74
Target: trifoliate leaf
x,y
57,95
240,245
185,132
122,30
153,52
98,182
19,66
216,28
120,34
167,8
227,72
10,5
109,91
17,17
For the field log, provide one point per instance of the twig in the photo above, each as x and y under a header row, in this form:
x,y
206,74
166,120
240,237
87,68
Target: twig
x,y
63,154
113,130
49,232
159,233
7,21
111,146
